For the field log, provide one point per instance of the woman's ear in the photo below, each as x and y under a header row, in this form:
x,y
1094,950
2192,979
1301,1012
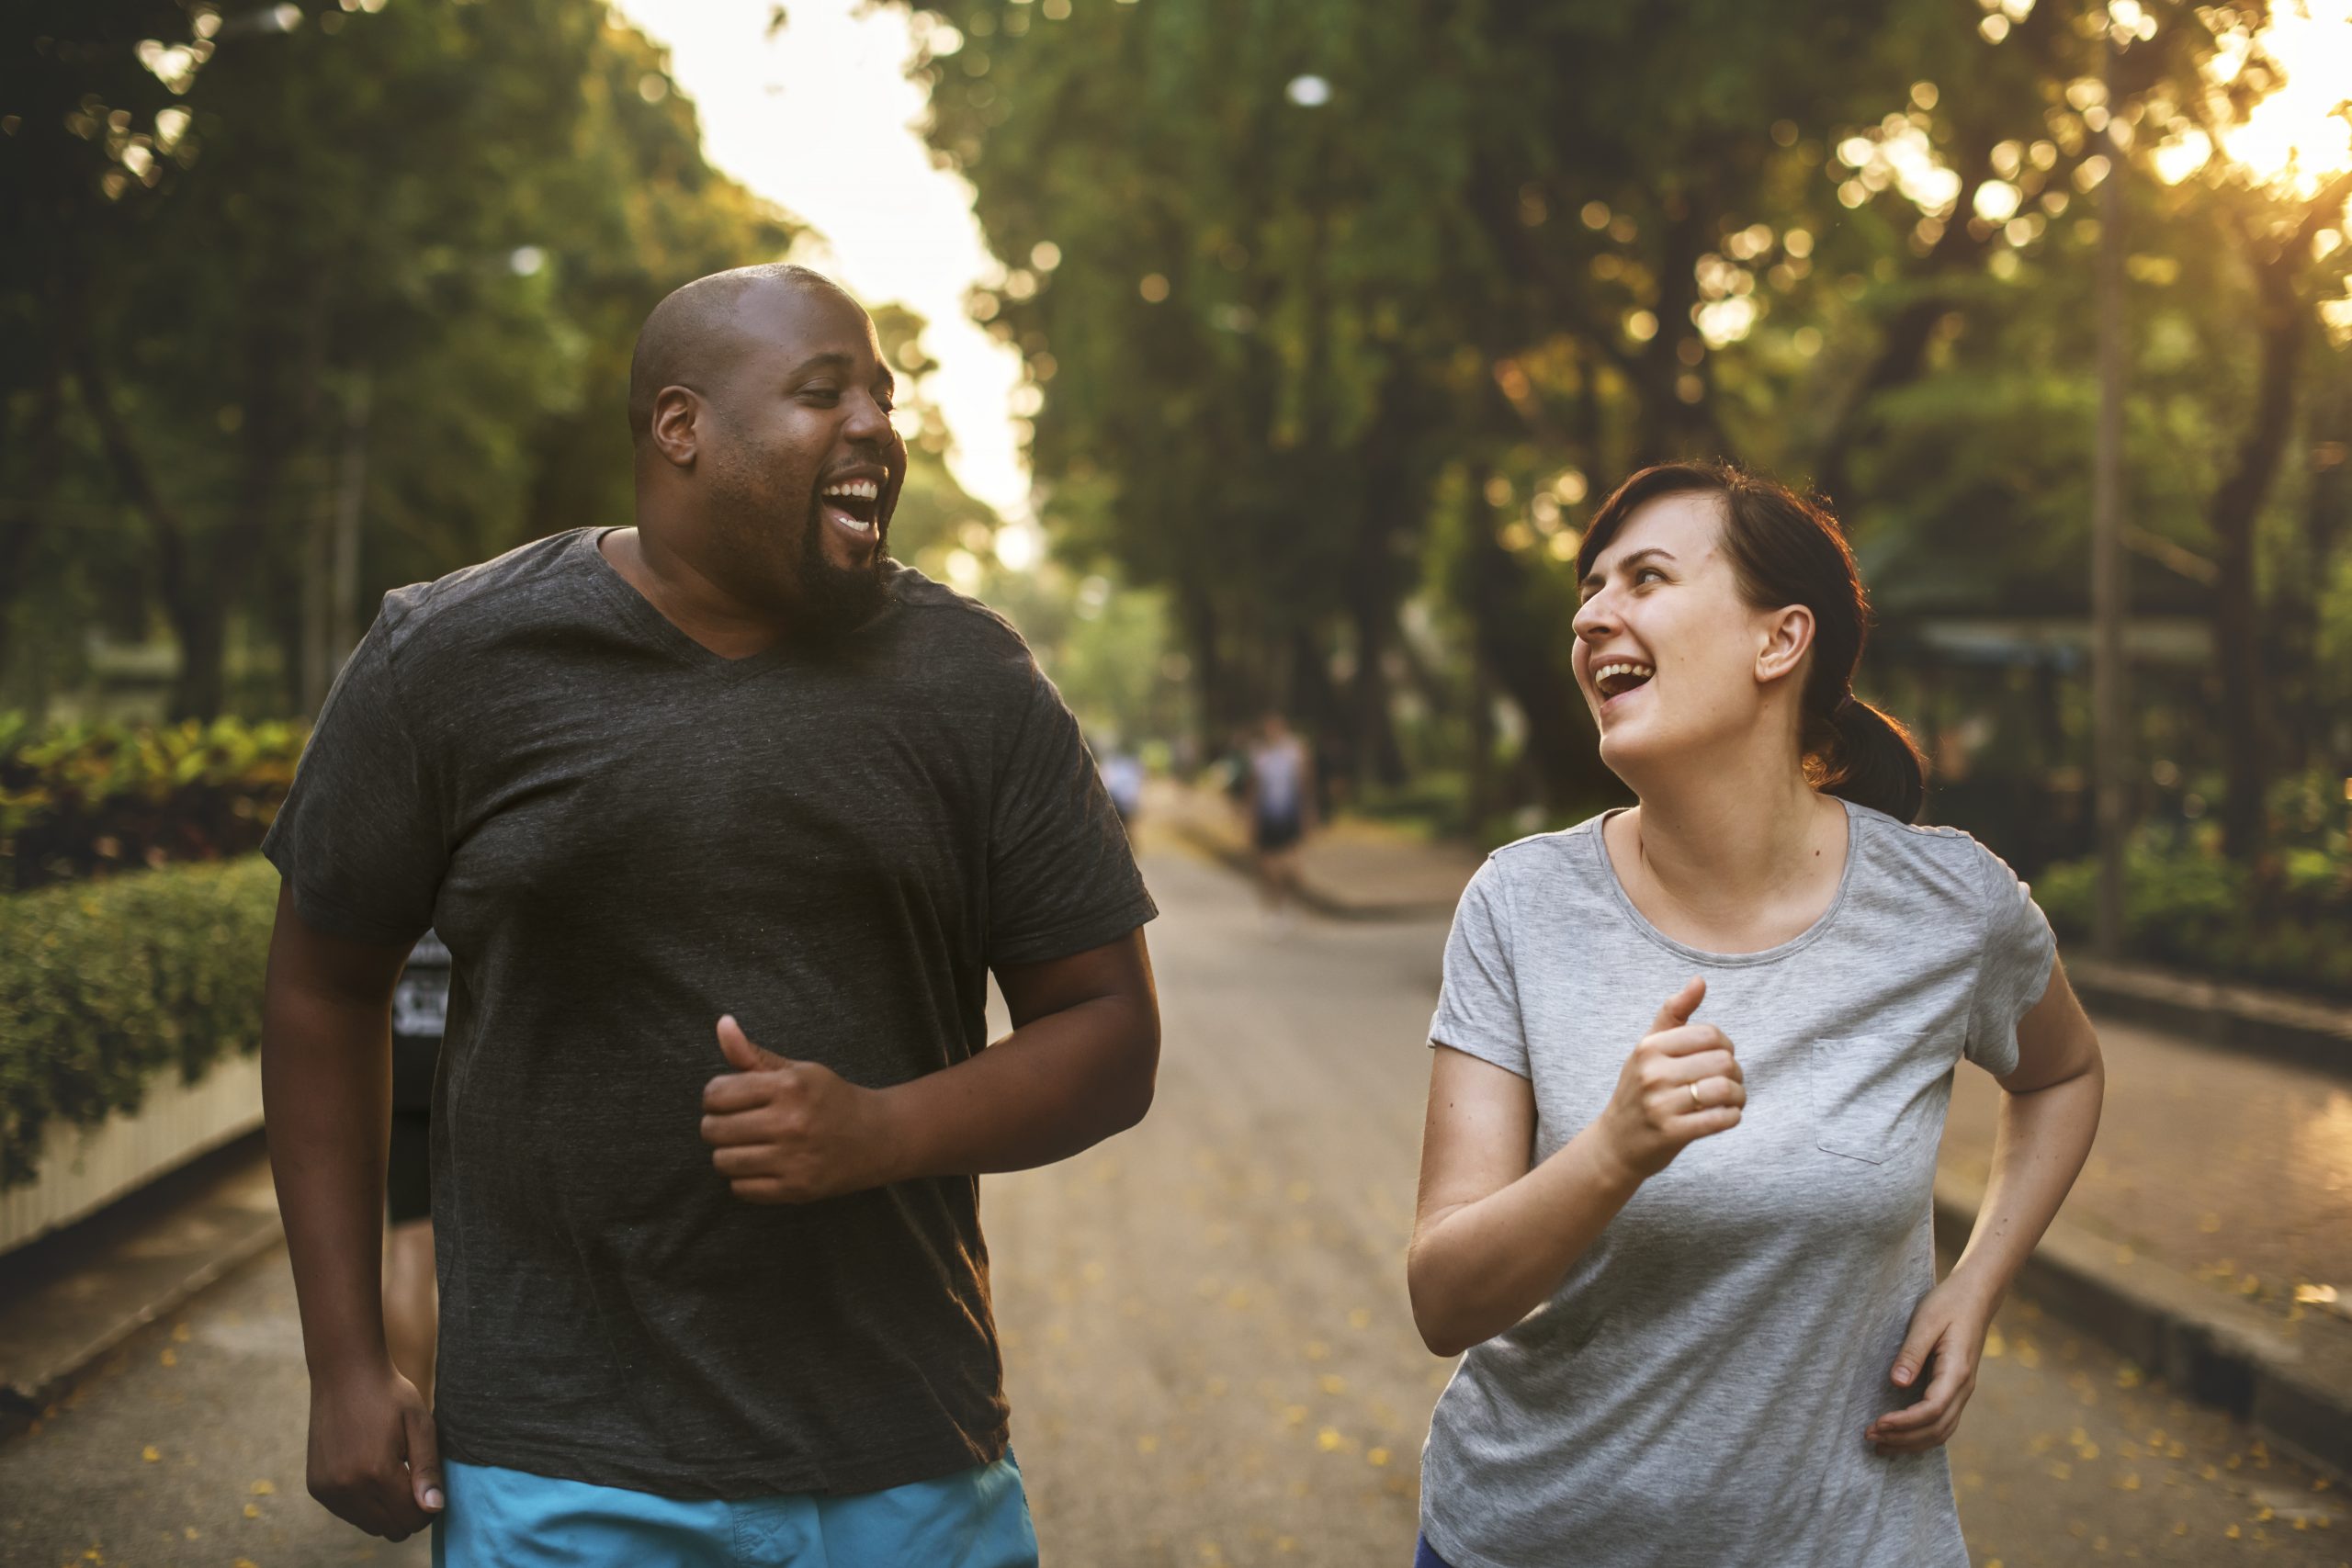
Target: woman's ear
x,y
1788,638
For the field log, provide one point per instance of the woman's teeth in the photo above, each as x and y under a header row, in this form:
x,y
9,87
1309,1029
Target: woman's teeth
x,y
1629,673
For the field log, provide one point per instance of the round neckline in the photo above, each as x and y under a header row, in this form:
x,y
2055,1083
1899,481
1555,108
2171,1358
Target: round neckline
x,y
1803,939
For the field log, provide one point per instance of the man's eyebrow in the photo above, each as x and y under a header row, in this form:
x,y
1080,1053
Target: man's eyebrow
x,y
1592,578
835,360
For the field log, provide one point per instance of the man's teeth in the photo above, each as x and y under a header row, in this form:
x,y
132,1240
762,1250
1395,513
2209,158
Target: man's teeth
x,y
866,490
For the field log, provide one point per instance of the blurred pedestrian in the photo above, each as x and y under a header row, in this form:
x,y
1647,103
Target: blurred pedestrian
x,y
1279,796
726,819
1123,780
1696,1282
412,1303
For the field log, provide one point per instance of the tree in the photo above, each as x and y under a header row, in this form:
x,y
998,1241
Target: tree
x,y
453,214
1324,299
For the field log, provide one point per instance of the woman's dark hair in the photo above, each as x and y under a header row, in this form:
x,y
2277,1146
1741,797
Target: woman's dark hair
x,y
1786,548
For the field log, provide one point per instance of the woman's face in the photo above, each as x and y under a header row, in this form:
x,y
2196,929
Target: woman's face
x,y
1669,656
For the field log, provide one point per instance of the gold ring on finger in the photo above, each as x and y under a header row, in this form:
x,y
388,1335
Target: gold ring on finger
x,y
1696,1103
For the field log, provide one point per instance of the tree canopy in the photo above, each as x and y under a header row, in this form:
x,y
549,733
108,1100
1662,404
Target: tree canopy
x,y
389,256
1337,315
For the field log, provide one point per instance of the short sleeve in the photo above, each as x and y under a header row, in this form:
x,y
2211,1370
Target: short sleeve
x,y
360,839
1062,876
1477,1006
2013,964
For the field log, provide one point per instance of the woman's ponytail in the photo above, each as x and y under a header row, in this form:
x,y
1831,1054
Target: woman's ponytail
x,y
1871,760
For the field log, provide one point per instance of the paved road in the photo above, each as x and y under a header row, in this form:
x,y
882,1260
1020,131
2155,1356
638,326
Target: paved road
x,y
1209,1351
2227,1167
185,1450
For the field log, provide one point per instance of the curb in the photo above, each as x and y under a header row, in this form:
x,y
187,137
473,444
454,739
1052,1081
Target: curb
x,y
2212,1349
74,1296
33,1391
2217,1014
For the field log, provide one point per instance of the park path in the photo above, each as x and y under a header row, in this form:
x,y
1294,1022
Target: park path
x,y
1209,1350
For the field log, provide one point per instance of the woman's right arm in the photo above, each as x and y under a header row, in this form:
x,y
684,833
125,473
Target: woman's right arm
x,y
1492,1238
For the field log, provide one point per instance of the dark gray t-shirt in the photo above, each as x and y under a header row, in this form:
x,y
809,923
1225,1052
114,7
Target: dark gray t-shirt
x,y
1694,1393
621,836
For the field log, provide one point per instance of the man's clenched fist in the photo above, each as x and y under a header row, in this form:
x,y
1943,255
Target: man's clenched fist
x,y
786,1131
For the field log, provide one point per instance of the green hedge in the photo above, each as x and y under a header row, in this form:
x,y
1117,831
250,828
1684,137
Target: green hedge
x,y
2287,922
84,800
103,985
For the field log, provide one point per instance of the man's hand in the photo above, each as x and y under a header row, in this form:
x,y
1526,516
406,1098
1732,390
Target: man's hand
x,y
1947,1331
374,1460
785,1132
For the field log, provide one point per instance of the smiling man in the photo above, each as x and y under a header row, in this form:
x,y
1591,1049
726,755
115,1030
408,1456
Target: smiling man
x,y
725,819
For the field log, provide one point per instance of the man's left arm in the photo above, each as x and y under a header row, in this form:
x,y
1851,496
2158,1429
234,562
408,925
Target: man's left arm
x,y
1078,1067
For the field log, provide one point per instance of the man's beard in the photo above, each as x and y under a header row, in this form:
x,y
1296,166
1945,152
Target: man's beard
x,y
834,599
817,602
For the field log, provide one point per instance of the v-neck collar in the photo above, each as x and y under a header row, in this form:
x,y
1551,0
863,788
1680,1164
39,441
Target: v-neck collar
x,y
642,614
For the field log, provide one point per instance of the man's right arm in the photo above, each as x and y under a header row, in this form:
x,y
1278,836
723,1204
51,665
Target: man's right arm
x,y
326,1090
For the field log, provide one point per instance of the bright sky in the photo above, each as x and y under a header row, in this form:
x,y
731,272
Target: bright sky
x,y
818,120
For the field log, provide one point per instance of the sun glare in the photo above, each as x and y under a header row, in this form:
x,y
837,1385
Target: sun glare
x,y
2302,134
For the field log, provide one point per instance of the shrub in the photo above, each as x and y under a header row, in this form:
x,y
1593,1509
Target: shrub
x,y
2287,921
103,985
83,800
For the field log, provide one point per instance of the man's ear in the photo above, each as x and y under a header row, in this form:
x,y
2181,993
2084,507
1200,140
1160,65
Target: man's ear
x,y
1788,638
677,425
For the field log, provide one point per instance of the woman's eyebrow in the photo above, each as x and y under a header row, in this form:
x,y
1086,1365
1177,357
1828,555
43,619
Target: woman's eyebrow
x,y
1593,578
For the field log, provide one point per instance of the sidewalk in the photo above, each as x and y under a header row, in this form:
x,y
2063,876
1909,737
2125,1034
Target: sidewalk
x,y
74,1296
2209,1238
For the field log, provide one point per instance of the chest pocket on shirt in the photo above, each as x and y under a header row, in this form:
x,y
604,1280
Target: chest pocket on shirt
x,y
1865,1095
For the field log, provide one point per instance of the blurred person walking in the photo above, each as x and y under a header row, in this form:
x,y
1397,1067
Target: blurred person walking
x,y
1278,792
1692,1061
725,819
1122,781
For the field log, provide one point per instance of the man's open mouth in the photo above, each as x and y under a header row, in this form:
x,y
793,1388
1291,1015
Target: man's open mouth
x,y
854,505
1619,676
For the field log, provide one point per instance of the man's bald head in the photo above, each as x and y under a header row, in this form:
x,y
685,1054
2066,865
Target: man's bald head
x,y
691,340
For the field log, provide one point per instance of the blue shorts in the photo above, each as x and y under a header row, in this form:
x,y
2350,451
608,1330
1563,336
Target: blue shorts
x,y
505,1518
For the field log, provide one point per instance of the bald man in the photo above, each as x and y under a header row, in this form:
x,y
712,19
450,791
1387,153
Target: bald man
x,y
725,819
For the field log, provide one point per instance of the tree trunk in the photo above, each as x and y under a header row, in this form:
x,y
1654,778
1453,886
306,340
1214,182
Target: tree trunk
x,y
2235,506
1213,712
21,523
1394,495
186,600
2283,322
2327,518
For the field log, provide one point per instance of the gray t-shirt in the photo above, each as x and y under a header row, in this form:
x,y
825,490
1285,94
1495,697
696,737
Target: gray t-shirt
x,y
1694,1393
620,835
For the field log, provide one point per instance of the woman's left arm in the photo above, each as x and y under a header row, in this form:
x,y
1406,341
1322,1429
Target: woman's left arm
x,y
2050,1109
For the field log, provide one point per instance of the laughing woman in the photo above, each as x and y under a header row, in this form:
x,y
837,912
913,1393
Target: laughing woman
x,y
1691,1064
